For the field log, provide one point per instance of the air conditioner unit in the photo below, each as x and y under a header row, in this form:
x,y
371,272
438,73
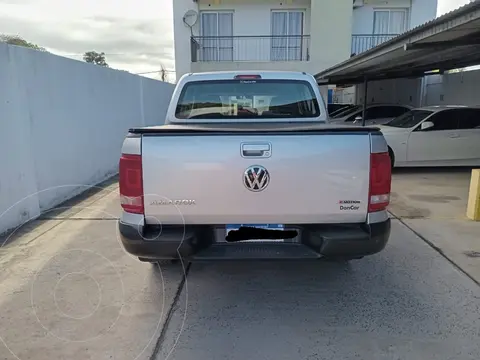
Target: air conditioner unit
x,y
357,3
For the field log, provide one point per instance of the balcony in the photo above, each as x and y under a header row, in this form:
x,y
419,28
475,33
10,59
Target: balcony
x,y
250,48
362,43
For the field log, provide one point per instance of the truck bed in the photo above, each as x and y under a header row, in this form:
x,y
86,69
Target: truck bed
x,y
317,173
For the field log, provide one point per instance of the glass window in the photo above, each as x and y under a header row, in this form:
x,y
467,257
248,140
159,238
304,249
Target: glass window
x,y
379,112
469,119
216,41
382,112
444,120
409,119
244,99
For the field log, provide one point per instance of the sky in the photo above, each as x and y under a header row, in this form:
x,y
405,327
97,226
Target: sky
x,y
135,35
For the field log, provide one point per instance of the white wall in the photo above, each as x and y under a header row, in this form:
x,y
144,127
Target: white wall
x,y
395,91
453,89
63,123
450,89
181,36
421,11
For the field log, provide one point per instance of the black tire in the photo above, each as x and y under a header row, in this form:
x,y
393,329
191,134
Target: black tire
x,y
342,259
392,157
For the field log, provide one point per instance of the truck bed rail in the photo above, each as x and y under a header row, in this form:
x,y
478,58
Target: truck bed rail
x,y
257,128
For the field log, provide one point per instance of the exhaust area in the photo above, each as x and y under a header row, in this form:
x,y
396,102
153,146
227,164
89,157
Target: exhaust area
x,y
252,233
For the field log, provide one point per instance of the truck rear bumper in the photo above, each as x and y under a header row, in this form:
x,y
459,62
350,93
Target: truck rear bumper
x,y
328,240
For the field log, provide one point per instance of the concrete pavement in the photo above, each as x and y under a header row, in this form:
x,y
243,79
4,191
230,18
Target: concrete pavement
x,y
69,291
433,203
407,302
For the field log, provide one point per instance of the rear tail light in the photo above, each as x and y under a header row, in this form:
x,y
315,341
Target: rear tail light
x,y
247,77
380,182
131,183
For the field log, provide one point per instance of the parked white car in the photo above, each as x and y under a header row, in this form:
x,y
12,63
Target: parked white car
x,y
435,136
376,114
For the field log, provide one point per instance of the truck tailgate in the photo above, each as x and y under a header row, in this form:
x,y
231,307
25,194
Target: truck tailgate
x,y
200,178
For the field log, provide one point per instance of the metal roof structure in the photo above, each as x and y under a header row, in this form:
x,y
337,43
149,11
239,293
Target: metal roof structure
x,y
448,42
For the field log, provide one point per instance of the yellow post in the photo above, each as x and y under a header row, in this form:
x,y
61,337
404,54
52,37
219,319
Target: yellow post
x,y
473,207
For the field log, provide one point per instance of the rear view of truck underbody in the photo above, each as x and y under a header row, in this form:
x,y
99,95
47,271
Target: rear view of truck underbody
x,y
205,242
288,192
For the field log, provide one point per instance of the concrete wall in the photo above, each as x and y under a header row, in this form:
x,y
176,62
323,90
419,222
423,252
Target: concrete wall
x,y
396,91
459,88
252,17
63,123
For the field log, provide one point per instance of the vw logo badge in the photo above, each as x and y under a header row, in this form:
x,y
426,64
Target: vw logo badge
x,y
256,178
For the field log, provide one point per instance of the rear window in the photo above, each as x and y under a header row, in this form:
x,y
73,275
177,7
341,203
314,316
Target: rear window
x,y
245,99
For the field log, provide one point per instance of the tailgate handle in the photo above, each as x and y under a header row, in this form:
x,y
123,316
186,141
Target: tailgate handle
x,y
256,150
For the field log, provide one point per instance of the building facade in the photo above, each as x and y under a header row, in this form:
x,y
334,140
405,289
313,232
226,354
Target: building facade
x,y
298,35
377,21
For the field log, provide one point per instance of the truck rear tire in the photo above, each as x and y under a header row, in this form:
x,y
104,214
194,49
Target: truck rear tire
x,y
340,259
392,156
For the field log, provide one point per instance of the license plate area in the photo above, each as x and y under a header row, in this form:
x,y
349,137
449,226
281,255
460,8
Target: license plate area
x,y
231,227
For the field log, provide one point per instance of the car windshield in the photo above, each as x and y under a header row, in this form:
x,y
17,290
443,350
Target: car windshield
x,y
247,98
346,112
340,110
409,119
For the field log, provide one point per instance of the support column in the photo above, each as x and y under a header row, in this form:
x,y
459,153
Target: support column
x,y
365,89
473,207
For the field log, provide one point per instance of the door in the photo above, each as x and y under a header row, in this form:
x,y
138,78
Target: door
x,y
216,29
440,143
468,145
287,36
387,23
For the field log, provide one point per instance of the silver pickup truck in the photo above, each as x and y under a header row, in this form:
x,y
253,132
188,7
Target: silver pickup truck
x,y
247,167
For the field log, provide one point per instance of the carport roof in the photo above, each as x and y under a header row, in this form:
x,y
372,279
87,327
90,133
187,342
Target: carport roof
x,y
450,41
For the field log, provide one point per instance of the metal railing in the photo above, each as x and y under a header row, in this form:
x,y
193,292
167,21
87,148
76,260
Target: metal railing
x,y
250,48
362,43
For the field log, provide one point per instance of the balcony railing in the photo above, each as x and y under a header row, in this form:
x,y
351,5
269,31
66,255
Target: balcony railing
x,y
362,43
250,48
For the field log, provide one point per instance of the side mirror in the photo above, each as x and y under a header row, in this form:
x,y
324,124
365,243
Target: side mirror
x,y
427,125
357,119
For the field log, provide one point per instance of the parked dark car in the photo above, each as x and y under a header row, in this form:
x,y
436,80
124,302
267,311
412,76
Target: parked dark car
x,y
334,108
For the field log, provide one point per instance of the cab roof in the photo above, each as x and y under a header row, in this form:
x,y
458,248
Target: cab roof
x,y
227,75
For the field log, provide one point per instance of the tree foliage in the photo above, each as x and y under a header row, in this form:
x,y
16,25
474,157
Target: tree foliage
x,y
19,41
95,58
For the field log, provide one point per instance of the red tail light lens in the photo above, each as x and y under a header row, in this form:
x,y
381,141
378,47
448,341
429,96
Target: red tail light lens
x,y
131,183
247,77
380,182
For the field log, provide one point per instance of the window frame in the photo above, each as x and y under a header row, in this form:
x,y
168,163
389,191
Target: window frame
x,y
287,48
217,38
443,113
390,10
